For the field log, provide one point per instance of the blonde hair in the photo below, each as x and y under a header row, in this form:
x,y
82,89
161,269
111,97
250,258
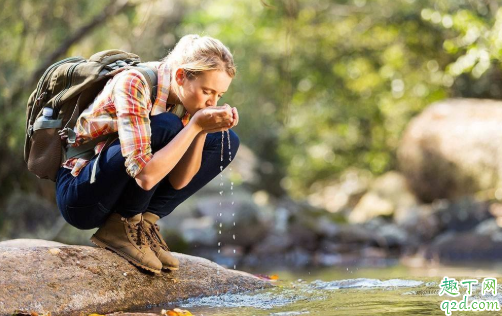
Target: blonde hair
x,y
196,54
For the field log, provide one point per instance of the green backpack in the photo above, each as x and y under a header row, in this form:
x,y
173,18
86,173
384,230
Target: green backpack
x,y
65,89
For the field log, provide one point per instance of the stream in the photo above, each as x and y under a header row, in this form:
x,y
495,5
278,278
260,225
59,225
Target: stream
x,y
395,290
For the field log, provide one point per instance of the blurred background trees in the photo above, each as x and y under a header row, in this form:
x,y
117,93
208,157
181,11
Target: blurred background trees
x,y
322,85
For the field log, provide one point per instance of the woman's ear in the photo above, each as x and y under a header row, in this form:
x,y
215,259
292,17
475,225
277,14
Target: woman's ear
x,y
180,76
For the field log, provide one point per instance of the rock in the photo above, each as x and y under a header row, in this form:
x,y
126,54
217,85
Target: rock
x,y
27,243
273,243
81,280
30,216
249,228
491,228
453,247
353,234
199,231
340,194
453,149
430,220
388,196
370,206
422,225
462,214
388,235
302,237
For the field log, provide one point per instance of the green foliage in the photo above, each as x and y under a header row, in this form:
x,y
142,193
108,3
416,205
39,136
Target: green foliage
x,y
322,85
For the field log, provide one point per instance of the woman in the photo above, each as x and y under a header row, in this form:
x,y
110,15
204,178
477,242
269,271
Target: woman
x,y
159,159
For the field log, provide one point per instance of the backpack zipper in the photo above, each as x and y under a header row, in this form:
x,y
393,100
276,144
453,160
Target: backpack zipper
x,y
69,80
53,66
40,95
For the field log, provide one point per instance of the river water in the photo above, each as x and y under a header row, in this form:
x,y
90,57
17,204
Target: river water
x,y
396,290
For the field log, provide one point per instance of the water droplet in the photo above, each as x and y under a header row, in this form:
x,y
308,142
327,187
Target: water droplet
x,y
221,214
234,237
233,214
234,266
221,192
231,183
234,223
219,243
219,250
221,184
221,224
232,202
234,250
220,232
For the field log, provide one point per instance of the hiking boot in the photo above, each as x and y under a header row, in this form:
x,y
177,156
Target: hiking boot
x,y
158,244
127,237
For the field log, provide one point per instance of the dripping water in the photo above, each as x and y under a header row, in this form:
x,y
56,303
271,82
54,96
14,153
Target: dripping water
x,y
221,184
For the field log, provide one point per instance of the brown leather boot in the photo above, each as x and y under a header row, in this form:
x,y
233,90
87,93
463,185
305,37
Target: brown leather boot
x,y
127,237
158,244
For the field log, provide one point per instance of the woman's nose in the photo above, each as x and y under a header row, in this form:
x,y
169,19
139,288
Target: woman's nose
x,y
213,101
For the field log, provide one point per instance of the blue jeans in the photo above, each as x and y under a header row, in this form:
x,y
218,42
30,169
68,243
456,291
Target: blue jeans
x,y
87,206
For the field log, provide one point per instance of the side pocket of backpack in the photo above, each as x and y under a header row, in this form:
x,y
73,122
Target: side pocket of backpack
x,y
44,152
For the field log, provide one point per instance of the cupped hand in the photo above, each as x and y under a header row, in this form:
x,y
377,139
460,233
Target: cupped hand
x,y
216,118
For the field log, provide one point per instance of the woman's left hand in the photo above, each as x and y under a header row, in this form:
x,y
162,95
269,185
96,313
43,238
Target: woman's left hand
x,y
236,117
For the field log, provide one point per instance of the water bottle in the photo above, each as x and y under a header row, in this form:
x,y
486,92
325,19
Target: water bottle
x,y
39,122
46,114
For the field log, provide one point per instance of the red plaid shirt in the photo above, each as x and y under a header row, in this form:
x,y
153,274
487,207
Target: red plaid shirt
x,y
124,105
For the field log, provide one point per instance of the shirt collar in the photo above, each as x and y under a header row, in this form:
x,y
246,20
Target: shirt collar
x,y
163,84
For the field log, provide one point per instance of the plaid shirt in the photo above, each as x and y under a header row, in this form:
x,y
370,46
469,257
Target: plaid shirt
x,y
124,105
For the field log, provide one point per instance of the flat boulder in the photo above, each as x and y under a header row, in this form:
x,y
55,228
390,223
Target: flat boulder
x,y
27,243
80,280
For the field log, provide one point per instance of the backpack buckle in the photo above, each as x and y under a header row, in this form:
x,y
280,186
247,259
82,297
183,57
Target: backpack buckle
x,y
69,134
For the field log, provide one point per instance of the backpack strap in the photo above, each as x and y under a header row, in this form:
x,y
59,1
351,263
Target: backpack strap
x,y
150,75
86,150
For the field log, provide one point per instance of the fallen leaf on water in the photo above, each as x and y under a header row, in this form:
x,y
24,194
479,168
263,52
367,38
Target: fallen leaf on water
x,y
273,277
176,312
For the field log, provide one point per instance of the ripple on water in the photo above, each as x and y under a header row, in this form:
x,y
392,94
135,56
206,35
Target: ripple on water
x,y
290,313
266,300
363,283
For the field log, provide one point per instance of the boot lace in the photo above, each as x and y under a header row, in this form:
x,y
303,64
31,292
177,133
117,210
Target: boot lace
x,y
155,236
138,233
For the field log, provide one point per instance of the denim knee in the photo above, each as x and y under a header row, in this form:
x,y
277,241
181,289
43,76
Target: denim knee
x,y
85,217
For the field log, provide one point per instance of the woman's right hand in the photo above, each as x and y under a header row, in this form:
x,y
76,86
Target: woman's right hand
x,y
214,118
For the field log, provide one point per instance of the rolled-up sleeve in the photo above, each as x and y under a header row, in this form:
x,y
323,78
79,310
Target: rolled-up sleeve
x,y
131,100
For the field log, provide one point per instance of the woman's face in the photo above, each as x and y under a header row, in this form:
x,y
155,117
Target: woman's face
x,y
203,90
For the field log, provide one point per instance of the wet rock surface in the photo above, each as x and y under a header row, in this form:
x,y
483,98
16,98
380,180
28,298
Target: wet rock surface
x,y
75,280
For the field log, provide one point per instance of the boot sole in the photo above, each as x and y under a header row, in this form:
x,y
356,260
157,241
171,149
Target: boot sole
x,y
170,268
103,245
